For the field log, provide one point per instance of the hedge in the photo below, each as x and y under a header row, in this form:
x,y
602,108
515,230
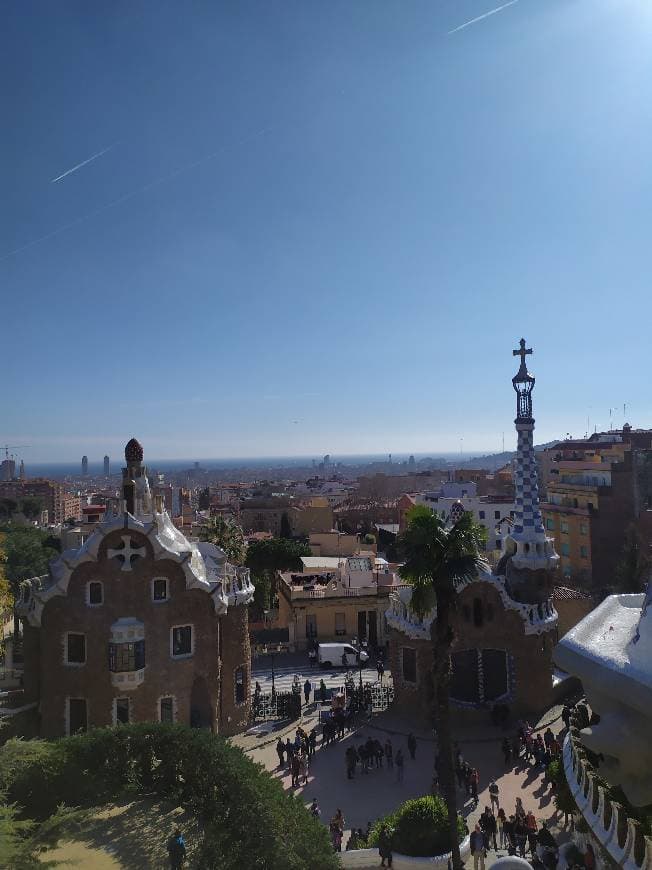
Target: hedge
x,y
420,827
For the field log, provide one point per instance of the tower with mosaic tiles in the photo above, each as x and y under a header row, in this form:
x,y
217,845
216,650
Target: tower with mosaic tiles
x,y
531,560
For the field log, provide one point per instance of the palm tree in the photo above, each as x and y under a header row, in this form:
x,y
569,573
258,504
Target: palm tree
x,y
228,536
438,560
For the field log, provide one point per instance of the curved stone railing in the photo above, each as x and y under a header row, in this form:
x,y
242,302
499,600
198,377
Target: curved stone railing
x,y
621,836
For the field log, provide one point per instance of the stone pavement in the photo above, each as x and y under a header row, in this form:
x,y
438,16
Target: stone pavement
x,y
370,796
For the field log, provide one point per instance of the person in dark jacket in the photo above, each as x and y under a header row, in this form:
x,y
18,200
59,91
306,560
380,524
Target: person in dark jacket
x,y
177,850
478,848
412,745
385,846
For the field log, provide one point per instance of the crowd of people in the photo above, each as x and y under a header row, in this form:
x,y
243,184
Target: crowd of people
x,y
373,754
297,754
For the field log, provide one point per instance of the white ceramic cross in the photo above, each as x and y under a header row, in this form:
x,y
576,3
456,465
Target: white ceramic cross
x,y
127,552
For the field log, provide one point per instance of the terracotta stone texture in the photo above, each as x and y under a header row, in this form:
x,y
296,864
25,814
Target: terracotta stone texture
x,y
501,629
235,654
193,682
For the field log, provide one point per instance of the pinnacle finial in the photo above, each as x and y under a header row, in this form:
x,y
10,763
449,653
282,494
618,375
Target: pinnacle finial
x,y
522,351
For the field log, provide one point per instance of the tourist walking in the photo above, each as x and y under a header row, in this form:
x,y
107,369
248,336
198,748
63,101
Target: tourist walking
x,y
494,792
478,848
303,767
389,753
351,757
385,846
380,670
474,779
176,850
295,768
307,689
500,823
399,765
412,745
507,751
314,809
280,751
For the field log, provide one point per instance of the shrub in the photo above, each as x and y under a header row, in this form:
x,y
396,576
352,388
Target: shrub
x,y
420,827
213,780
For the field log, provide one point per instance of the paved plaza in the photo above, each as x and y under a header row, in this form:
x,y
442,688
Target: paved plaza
x,y
370,796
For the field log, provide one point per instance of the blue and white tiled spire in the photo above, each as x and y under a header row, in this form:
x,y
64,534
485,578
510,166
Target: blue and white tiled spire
x,y
533,549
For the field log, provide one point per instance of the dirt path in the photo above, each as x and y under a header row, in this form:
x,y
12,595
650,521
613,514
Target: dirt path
x,y
131,835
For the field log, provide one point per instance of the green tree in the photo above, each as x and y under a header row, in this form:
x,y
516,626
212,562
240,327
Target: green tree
x,y
27,555
31,507
228,536
211,779
633,569
437,561
8,507
264,559
286,529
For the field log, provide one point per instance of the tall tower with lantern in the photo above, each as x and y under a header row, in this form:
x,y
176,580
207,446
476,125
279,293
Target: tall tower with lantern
x,y
527,546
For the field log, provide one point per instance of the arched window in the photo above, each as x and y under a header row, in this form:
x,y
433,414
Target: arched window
x,y
477,612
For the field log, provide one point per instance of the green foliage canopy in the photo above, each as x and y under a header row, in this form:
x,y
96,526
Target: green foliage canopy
x,y
28,552
419,827
248,820
227,535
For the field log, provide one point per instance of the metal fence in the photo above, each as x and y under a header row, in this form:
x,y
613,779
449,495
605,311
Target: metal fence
x,y
277,705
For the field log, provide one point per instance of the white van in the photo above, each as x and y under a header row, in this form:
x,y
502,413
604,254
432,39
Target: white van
x,y
340,655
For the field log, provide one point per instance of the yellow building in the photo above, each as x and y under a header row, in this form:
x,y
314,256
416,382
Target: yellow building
x,y
567,516
335,598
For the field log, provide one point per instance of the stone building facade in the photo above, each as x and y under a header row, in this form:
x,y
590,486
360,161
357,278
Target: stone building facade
x,y
505,624
138,624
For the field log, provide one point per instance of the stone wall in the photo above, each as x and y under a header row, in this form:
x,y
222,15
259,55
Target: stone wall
x,y
235,653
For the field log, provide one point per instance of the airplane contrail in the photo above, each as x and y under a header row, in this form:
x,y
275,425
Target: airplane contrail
x,y
481,17
145,187
83,163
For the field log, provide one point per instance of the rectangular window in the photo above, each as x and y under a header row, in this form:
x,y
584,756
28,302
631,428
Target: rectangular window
x,y
75,649
167,710
409,663
565,549
481,514
159,589
77,715
584,529
496,515
311,625
182,640
550,524
340,624
239,685
95,592
564,526
122,711
584,552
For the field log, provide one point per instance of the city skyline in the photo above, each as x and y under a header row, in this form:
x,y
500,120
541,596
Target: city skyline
x,y
298,230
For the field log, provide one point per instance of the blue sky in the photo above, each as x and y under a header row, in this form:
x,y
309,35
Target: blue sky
x,y
334,213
